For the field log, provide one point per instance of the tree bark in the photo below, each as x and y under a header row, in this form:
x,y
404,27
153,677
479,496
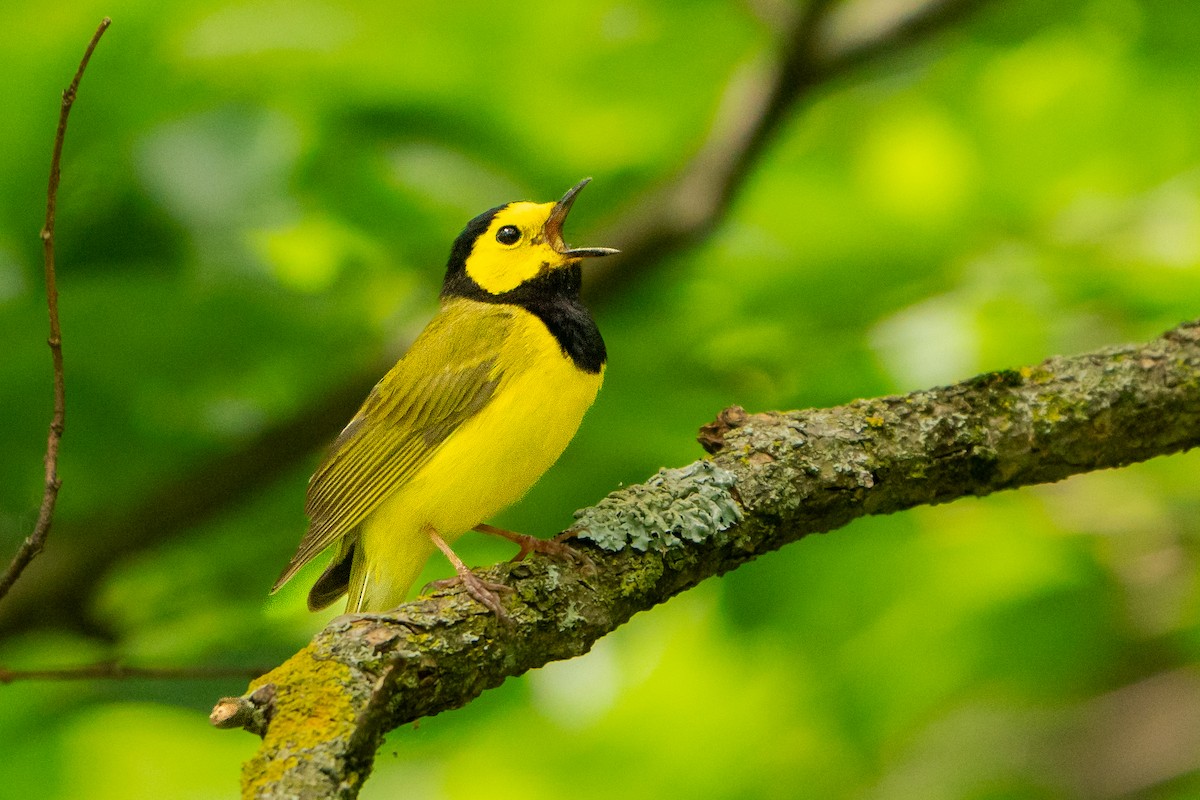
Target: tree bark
x,y
772,479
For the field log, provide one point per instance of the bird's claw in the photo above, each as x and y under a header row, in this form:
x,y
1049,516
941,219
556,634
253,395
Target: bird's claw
x,y
558,548
551,548
486,593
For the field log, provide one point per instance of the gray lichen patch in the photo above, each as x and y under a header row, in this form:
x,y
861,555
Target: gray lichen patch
x,y
694,503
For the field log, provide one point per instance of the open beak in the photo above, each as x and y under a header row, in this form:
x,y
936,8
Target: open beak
x,y
552,230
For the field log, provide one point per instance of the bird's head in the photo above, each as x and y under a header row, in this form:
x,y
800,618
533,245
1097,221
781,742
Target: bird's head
x,y
512,245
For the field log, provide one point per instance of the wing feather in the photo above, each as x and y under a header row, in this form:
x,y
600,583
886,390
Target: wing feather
x,y
449,375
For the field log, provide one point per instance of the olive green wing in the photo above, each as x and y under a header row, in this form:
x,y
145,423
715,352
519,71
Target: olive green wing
x,y
448,375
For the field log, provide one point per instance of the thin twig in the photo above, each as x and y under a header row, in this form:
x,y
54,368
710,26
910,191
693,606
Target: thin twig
x,y
114,670
34,543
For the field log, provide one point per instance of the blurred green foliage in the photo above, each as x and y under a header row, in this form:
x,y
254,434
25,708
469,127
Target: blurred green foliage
x,y
257,202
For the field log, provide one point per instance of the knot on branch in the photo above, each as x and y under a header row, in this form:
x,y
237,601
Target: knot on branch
x,y
712,435
252,711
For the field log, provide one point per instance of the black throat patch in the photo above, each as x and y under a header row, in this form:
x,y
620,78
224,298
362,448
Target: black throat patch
x,y
553,298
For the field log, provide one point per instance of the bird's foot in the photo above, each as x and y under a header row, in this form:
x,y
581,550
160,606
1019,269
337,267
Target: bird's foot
x,y
487,593
553,548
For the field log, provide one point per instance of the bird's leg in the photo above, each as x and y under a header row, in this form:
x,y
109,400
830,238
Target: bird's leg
x,y
554,548
483,591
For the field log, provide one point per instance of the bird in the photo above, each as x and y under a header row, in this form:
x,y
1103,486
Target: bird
x,y
480,406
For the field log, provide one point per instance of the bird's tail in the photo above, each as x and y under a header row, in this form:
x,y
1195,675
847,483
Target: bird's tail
x,y
380,573
333,581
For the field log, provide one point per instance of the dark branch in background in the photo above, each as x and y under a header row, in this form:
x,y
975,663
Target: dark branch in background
x,y
753,107
34,543
113,670
660,225
324,712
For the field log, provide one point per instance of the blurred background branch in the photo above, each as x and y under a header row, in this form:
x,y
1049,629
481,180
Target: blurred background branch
x,y
113,670
756,102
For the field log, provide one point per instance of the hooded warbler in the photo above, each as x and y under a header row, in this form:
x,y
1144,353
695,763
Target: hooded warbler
x,y
482,404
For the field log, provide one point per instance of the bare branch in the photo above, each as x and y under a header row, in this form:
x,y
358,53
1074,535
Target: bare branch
x,y
774,479
34,543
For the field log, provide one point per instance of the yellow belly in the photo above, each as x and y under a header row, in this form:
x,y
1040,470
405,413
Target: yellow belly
x,y
483,467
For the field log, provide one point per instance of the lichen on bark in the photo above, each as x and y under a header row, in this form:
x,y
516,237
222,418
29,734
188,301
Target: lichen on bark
x,y
692,504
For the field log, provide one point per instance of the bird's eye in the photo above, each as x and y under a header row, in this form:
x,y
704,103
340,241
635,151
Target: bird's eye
x,y
509,234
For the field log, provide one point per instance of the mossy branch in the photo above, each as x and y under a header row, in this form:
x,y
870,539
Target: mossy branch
x,y
774,478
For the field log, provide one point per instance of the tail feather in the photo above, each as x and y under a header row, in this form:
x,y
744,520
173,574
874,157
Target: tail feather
x,y
386,564
333,581
358,584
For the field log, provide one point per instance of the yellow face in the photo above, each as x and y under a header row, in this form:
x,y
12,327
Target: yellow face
x,y
514,248
517,245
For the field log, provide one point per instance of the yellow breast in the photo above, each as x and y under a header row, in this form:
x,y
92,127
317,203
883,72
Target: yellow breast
x,y
484,466
494,458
